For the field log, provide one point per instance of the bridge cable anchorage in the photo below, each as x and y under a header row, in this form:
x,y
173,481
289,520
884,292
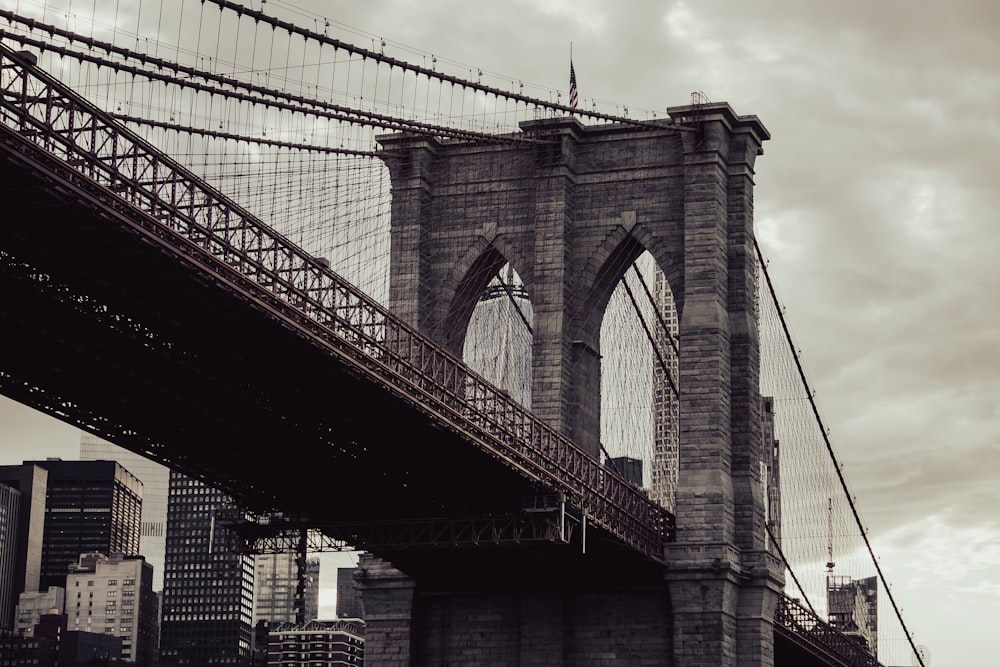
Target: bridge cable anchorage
x,y
829,445
317,108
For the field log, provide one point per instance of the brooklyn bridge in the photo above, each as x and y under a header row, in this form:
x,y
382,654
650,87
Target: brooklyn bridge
x,y
523,352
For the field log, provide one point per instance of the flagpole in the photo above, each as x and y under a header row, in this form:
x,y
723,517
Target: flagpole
x,y
572,80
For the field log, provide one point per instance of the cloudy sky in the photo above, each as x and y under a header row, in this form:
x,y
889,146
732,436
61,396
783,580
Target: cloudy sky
x,y
876,204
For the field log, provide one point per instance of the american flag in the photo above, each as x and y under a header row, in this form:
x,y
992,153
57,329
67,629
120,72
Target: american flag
x,y
572,86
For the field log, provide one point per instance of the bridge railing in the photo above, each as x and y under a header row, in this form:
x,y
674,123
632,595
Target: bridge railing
x,y
801,626
133,178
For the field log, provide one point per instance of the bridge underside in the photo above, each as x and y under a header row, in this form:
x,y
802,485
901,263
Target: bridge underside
x,y
124,337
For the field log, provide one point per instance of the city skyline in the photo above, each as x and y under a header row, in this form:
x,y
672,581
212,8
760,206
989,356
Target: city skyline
x,y
890,107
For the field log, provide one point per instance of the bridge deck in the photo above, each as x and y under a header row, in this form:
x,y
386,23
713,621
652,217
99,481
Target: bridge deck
x,y
194,377
172,323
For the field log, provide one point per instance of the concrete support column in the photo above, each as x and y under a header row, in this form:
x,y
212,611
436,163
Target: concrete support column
x,y
543,630
411,281
704,492
565,364
747,454
723,585
703,589
387,599
762,573
763,579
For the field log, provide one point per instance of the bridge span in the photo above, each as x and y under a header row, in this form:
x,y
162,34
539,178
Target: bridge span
x,y
255,366
143,306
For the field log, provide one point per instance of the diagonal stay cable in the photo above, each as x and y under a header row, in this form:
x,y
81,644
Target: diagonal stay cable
x,y
659,316
829,447
513,301
649,335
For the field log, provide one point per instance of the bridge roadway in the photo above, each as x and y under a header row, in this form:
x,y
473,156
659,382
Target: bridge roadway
x,y
200,358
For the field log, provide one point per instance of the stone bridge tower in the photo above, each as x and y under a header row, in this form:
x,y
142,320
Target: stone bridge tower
x,y
571,212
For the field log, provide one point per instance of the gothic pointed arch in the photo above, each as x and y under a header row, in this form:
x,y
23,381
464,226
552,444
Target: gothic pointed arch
x,y
610,263
470,278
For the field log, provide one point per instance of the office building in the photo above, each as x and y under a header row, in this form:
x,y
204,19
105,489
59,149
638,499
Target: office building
x,y
771,470
853,607
277,597
77,647
32,605
207,586
666,408
10,503
29,481
498,339
628,467
38,647
318,644
113,595
349,603
90,507
155,479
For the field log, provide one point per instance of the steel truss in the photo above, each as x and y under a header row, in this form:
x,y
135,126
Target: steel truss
x,y
804,629
263,535
49,128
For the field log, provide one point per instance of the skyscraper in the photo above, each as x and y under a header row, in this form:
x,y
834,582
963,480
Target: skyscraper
x,y
29,481
32,605
498,340
208,586
276,588
90,507
771,469
10,503
666,409
349,603
155,480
